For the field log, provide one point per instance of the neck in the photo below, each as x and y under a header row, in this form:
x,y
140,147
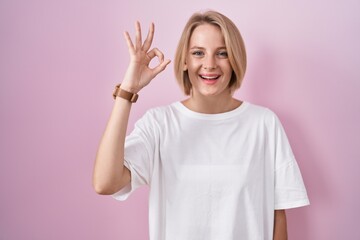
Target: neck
x,y
211,104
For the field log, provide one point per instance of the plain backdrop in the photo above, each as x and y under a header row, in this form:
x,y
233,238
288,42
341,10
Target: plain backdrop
x,y
59,63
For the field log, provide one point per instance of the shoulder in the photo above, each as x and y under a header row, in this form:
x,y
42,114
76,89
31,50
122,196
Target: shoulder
x,y
158,115
260,112
264,116
160,111
152,121
266,120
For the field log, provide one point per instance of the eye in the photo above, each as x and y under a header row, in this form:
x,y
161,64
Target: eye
x,y
222,54
197,53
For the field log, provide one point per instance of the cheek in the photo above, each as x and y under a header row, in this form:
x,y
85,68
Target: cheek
x,y
228,69
192,68
192,76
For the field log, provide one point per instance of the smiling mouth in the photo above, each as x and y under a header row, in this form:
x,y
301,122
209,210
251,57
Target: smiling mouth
x,y
212,77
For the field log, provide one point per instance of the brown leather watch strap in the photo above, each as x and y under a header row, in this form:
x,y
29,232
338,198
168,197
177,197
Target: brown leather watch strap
x,y
118,92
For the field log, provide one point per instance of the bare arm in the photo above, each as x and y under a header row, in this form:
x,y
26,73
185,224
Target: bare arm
x,y
110,175
280,227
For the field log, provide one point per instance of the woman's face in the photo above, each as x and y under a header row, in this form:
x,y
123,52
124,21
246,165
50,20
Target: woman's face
x,y
207,62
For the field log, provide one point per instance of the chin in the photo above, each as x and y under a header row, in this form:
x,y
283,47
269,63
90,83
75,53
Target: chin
x,y
209,93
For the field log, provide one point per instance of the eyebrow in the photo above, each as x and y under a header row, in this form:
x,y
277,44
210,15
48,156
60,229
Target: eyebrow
x,y
202,48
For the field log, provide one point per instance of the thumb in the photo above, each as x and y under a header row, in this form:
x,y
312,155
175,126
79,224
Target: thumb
x,y
161,67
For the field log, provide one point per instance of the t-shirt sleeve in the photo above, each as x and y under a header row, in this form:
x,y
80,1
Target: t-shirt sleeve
x,y
138,156
290,191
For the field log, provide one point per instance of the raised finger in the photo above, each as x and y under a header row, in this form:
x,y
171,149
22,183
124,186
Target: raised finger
x,y
138,35
156,53
149,38
128,41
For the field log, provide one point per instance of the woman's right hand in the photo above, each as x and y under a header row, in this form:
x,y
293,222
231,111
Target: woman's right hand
x,y
139,74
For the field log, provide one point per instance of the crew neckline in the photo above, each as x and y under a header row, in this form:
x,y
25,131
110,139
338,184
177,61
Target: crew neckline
x,y
209,116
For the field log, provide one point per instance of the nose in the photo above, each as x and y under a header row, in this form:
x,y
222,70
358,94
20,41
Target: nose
x,y
209,63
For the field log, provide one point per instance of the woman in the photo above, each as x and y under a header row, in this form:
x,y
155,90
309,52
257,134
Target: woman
x,y
218,168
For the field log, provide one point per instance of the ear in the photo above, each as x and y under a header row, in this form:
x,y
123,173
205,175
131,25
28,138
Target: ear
x,y
185,68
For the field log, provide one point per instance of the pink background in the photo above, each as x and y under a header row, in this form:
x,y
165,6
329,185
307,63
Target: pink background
x,y
59,62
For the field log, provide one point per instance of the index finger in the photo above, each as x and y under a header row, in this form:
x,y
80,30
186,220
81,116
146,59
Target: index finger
x,y
156,53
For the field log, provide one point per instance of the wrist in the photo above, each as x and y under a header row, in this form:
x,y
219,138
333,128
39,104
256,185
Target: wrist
x,y
129,87
122,92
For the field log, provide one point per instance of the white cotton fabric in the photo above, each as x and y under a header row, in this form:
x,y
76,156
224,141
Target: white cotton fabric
x,y
213,176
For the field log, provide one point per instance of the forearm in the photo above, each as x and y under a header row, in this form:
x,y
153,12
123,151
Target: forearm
x,y
280,225
110,175
109,169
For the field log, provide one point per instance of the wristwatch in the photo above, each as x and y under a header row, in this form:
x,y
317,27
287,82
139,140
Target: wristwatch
x,y
118,92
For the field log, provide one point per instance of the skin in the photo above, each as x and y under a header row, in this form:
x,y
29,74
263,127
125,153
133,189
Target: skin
x,y
207,58
110,175
280,226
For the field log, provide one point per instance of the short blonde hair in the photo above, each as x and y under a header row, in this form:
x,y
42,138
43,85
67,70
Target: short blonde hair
x,y
233,42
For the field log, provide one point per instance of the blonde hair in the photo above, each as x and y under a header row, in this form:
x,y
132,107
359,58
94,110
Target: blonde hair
x,y
233,41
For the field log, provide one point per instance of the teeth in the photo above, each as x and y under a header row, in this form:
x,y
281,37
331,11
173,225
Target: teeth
x,y
209,78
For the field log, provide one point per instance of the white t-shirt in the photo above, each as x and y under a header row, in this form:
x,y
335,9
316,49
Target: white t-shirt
x,y
213,176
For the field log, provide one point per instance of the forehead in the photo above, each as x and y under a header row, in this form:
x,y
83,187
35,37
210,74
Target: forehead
x,y
206,35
